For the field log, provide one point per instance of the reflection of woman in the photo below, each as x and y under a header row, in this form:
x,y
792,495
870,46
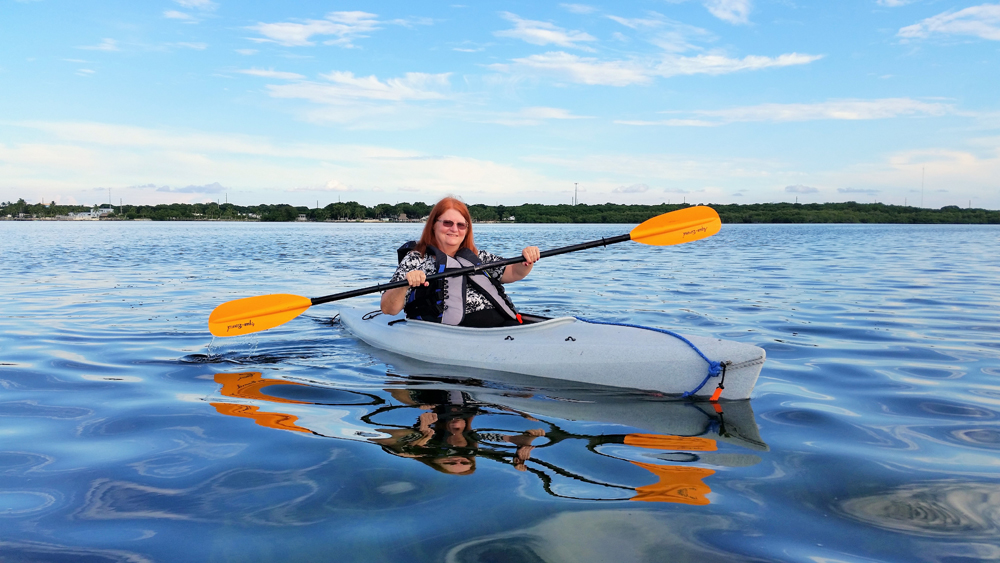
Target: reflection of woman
x,y
476,300
444,440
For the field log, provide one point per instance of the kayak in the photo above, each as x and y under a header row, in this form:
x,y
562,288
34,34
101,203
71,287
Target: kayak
x,y
573,349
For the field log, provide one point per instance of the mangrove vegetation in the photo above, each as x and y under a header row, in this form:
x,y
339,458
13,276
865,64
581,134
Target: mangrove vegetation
x,y
849,212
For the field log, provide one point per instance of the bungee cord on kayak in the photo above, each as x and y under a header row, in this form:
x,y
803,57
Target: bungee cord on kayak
x,y
714,368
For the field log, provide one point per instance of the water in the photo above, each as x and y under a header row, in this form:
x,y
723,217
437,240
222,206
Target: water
x,y
128,434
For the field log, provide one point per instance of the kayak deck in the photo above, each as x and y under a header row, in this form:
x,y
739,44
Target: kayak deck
x,y
573,349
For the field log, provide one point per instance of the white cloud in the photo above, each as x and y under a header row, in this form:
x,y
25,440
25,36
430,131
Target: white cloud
x,y
201,5
894,3
175,15
543,33
329,186
667,34
578,8
582,70
633,189
197,4
105,45
550,113
344,26
195,46
855,110
732,11
865,191
343,86
978,21
247,52
530,117
72,158
213,188
800,189
271,73
589,70
720,64
637,23
676,170
79,156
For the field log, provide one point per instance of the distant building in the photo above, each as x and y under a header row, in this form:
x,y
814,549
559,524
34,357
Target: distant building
x,y
301,218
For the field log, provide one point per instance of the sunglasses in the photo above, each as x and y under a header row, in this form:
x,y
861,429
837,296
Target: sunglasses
x,y
448,223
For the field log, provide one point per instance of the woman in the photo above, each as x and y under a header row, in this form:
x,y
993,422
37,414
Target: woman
x,y
444,440
476,300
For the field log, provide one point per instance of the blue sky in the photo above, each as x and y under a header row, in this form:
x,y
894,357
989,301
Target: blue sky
x,y
710,101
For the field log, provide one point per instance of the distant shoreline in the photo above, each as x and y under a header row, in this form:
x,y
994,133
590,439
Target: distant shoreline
x,y
353,212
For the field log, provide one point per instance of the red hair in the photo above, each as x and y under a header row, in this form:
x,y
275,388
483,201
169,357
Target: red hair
x,y
427,237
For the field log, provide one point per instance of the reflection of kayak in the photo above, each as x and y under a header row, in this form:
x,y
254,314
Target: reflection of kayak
x,y
734,423
572,349
679,433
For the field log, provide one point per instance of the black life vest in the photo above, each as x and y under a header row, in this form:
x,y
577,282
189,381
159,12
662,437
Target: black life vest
x,y
443,301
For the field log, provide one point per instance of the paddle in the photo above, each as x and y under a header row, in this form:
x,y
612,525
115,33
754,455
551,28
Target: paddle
x,y
254,314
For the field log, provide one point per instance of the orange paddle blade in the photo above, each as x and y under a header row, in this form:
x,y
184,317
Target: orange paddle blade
x,y
676,227
661,442
254,314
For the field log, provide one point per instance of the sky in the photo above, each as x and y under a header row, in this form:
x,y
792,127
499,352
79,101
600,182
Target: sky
x,y
500,102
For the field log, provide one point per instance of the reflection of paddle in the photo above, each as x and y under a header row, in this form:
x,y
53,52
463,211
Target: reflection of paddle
x,y
254,314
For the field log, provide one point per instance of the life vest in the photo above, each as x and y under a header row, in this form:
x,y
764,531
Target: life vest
x,y
443,301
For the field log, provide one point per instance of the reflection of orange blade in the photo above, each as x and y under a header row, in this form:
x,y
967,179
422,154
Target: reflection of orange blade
x,y
277,420
675,443
248,385
676,227
254,314
677,484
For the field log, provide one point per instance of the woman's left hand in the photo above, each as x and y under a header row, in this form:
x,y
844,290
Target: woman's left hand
x,y
531,255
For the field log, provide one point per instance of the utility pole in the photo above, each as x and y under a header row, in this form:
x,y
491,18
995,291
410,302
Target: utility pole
x,y
576,198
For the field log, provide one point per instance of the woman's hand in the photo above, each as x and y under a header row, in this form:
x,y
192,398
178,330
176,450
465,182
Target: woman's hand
x,y
393,300
426,419
531,255
416,278
516,272
522,455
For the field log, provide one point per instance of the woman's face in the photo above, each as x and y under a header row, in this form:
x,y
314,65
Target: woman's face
x,y
449,239
454,464
456,425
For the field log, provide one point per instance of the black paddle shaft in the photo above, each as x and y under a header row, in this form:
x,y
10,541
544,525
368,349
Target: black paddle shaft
x,y
469,270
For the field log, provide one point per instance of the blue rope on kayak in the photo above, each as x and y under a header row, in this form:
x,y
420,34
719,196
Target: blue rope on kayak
x,y
714,368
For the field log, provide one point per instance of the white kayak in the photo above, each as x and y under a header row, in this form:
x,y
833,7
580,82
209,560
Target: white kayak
x,y
573,349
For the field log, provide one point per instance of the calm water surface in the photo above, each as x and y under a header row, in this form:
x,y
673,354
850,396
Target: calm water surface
x,y
128,434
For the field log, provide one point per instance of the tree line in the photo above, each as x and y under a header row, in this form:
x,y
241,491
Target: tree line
x,y
848,212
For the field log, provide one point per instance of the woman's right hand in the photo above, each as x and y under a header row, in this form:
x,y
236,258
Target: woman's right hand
x,y
416,278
